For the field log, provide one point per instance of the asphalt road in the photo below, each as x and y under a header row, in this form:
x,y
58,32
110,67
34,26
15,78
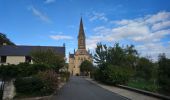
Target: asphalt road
x,y
80,89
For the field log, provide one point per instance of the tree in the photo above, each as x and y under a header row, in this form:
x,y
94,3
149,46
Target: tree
x,y
86,66
164,74
4,39
144,69
100,57
112,61
48,57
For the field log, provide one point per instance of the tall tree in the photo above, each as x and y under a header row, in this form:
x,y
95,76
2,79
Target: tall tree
x,y
164,74
4,39
100,57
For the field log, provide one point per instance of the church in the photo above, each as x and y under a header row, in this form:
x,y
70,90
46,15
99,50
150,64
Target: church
x,y
80,54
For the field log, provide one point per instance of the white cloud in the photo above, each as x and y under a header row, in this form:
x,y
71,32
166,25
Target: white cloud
x,y
98,16
60,37
153,50
161,25
147,30
49,1
39,14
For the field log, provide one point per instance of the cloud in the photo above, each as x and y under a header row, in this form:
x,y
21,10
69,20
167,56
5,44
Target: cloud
x,y
98,16
153,50
60,37
147,30
49,1
39,14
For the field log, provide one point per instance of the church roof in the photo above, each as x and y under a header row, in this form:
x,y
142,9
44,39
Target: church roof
x,y
9,50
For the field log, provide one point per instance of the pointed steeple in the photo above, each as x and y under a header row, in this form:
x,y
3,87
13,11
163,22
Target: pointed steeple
x,y
81,36
81,29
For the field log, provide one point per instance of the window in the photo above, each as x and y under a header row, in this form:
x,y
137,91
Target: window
x,y
27,59
3,59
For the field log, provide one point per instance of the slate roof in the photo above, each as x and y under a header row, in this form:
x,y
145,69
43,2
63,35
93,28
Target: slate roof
x,y
8,50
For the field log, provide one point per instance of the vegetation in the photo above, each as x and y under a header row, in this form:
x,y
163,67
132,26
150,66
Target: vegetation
x,y
144,85
28,86
40,78
8,72
43,83
48,57
144,69
164,74
122,65
4,39
86,67
110,69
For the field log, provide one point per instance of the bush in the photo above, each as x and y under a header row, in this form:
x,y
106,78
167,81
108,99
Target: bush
x,y
44,83
21,70
64,76
50,81
113,75
28,86
8,71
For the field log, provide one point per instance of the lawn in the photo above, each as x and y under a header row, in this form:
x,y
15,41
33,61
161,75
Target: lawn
x,y
144,85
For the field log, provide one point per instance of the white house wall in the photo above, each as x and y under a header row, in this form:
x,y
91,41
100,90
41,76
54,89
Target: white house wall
x,y
15,59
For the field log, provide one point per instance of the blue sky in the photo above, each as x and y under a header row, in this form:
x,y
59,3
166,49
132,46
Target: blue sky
x,y
143,23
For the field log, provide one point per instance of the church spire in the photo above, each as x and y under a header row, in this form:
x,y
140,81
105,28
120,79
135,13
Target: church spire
x,y
81,29
81,36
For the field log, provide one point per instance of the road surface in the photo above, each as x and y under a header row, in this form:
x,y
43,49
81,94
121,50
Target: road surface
x,y
80,89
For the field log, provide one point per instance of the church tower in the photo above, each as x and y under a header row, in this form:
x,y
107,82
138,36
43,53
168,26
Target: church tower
x,y
80,54
81,36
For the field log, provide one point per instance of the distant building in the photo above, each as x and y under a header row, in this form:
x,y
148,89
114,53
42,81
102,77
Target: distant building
x,y
17,54
81,54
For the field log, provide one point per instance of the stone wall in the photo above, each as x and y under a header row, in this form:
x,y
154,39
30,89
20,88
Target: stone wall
x,y
9,90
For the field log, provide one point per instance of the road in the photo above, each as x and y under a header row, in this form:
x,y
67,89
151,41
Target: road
x,y
80,89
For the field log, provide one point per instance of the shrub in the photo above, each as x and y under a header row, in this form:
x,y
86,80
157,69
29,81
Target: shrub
x,y
28,86
8,71
64,76
50,81
21,70
113,75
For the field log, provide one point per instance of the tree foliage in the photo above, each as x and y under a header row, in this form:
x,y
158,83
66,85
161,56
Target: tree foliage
x,y
4,39
21,70
144,69
48,57
86,66
164,74
112,61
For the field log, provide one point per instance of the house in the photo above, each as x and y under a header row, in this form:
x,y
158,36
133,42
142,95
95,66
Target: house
x,y
15,54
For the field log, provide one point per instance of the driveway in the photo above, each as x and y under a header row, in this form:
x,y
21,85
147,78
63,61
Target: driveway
x,y
80,89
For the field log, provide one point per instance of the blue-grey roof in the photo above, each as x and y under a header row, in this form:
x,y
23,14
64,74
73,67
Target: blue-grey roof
x,y
9,50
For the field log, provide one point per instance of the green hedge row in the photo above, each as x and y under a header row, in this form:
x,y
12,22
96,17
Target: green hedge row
x,y
21,70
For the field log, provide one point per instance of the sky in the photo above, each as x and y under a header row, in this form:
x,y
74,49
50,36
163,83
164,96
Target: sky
x,y
142,23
